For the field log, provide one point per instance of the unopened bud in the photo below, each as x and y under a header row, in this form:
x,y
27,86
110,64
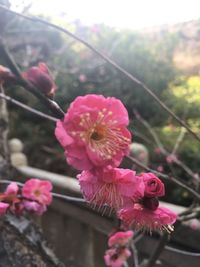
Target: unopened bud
x,y
41,78
150,203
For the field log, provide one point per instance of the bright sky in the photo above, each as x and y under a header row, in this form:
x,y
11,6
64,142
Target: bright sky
x,y
133,14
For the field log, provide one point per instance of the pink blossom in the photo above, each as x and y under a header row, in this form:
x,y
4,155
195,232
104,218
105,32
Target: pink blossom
x,y
3,208
142,218
115,257
95,28
157,150
120,238
194,224
171,158
153,185
82,78
112,186
10,195
12,189
94,133
40,76
160,168
34,206
38,190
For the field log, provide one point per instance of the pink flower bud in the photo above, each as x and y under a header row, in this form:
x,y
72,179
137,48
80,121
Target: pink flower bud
x,y
82,78
12,189
171,158
160,168
10,194
41,78
153,185
120,238
157,150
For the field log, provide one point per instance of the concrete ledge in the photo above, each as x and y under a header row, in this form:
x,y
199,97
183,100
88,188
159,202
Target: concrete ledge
x,y
61,181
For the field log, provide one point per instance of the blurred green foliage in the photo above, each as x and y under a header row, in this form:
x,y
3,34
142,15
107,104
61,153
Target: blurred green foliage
x,y
78,71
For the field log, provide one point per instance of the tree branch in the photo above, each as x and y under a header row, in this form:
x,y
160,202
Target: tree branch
x,y
163,150
56,195
179,140
51,105
22,105
159,249
135,254
176,181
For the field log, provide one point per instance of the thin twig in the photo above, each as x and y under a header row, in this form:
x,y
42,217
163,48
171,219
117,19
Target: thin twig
x,y
184,252
135,254
159,249
189,214
8,58
56,195
111,62
167,177
69,198
150,130
189,217
19,80
163,150
179,140
141,136
32,110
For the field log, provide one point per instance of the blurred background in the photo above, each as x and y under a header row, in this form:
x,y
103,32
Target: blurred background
x,y
156,41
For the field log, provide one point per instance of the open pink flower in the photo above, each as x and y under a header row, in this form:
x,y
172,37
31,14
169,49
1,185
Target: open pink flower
x,y
154,187
40,76
38,190
3,208
115,257
142,218
120,239
112,186
93,132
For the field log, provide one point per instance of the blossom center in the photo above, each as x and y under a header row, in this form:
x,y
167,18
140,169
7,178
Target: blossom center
x,y
37,193
98,134
102,133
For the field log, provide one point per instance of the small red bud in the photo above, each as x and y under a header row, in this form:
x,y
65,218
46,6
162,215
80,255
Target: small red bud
x,y
150,203
41,78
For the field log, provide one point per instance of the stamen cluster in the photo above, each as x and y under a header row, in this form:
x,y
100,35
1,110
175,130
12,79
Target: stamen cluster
x,y
94,132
